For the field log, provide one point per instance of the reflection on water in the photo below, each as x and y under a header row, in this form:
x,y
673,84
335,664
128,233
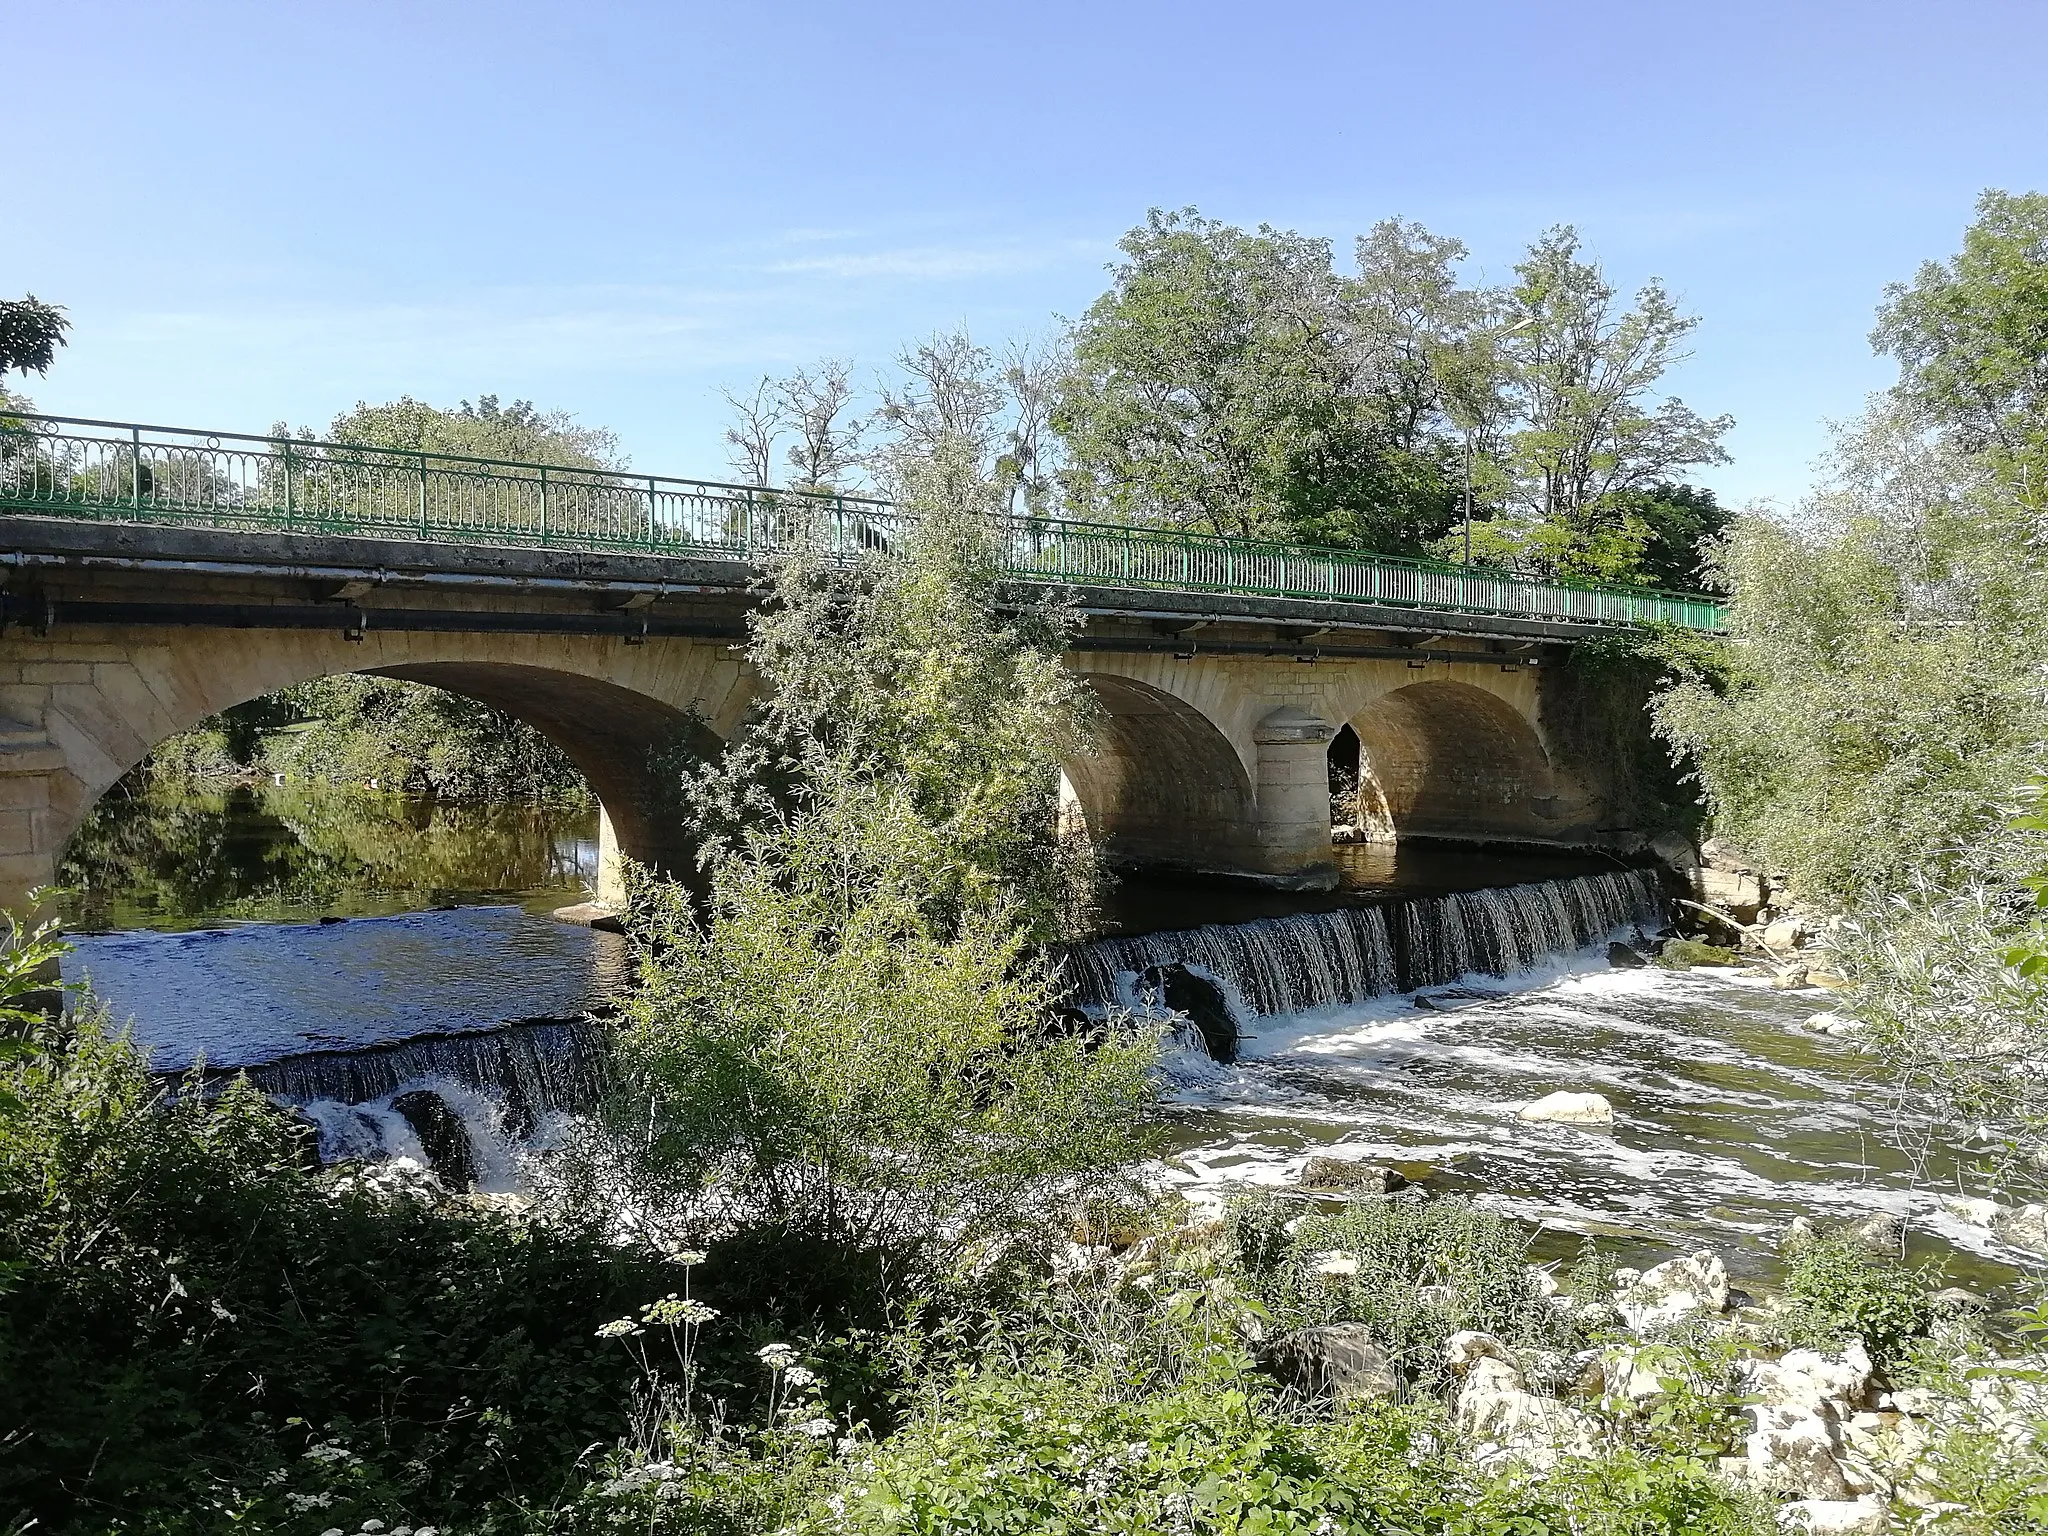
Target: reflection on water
x,y
1730,1118
250,994
1371,873
259,869
167,858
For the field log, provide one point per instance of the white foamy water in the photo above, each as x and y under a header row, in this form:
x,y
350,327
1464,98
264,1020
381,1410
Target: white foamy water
x,y
1730,1118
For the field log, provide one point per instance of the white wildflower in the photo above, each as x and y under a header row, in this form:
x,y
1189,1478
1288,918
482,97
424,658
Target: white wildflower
x,y
301,1502
776,1357
220,1312
817,1429
800,1376
618,1328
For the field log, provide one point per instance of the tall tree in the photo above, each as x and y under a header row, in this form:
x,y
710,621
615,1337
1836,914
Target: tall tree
x,y
30,334
1971,333
1214,386
1587,436
485,430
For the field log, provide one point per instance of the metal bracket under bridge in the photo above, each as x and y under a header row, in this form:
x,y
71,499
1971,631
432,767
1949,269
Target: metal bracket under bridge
x,y
128,472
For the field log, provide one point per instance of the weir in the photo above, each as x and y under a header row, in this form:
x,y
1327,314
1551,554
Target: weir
x,y
464,1102
1315,960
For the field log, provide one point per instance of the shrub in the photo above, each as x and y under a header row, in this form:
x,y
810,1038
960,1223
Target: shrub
x,y
1836,1291
196,1327
1418,1271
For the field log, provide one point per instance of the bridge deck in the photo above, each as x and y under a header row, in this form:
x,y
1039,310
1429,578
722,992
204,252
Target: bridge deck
x,y
79,470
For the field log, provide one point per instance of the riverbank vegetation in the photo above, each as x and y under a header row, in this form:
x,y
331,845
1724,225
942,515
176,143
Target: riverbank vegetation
x,y
1883,726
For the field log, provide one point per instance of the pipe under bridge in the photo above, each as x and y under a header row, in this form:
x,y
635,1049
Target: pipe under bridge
x,y
152,576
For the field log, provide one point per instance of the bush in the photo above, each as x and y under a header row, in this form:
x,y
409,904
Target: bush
x,y
198,1330
1424,1270
1835,1291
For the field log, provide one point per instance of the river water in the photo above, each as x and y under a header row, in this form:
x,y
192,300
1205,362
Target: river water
x,y
200,920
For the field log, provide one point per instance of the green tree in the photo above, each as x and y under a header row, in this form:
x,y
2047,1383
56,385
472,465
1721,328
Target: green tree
x,y
848,1045
1585,444
485,430
1884,716
30,334
1214,386
1971,334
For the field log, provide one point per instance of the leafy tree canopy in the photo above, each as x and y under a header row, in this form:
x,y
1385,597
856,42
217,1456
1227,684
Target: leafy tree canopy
x,y
30,334
1233,382
484,430
1971,333
1236,382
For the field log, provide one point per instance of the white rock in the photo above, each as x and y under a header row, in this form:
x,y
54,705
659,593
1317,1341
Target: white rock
x,y
1464,1350
1977,1211
1570,1109
1507,1423
1784,936
1544,1281
1805,1383
1674,1289
2026,1227
1798,1459
1822,1023
1335,1263
1836,1517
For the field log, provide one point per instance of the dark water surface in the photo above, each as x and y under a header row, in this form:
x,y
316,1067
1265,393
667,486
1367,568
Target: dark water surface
x,y
199,917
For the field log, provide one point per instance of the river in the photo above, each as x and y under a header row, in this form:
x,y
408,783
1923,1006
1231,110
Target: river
x,y
209,921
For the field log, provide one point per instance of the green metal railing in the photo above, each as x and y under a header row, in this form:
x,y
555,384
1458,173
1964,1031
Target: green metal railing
x,y
108,471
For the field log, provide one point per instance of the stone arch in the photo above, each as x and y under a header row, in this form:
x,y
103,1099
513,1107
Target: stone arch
x,y
610,732
1164,786
604,702
1446,758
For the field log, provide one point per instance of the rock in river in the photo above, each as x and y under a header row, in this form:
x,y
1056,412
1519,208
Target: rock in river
x,y
443,1136
1570,1109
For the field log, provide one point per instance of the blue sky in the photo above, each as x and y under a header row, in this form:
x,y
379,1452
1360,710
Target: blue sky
x,y
264,212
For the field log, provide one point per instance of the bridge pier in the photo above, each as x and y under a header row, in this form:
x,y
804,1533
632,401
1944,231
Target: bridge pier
x,y
1294,798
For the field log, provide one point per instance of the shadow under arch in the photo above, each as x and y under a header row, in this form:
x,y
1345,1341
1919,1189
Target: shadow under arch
x,y
1446,759
1164,786
612,734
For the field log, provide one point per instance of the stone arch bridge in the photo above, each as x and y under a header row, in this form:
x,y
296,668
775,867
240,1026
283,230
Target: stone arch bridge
x,y
148,581
1218,714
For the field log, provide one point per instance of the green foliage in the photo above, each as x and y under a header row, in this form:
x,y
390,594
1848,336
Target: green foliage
x,y
847,1078
1835,1291
1420,1271
407,736
355,729
1971,333
30,334
914,719
1237,382
1213,385
199,1331
847,1043
1077,1429
486,430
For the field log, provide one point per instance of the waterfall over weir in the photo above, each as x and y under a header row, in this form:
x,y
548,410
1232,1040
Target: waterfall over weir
x,y
460,1102
1316,960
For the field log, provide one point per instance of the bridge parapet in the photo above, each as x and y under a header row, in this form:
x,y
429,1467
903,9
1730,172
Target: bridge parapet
x,y
129,473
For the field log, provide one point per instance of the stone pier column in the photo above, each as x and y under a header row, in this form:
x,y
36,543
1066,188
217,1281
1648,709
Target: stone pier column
x,y
30,765
1294,798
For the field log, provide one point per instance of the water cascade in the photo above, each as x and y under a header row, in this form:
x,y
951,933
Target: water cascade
x,y
1294,964
496,1087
